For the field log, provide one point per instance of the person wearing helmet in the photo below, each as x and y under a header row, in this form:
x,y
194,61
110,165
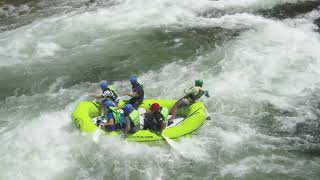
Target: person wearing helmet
x,y
107,92
132,119
155,118
191,95
114,116
137,94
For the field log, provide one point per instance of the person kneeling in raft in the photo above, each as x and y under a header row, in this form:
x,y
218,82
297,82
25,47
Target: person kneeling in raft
x,y
137,94
132,119
114,116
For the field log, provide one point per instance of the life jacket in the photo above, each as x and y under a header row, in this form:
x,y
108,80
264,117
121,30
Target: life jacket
x,y
114,96
135,118
165,113
154,120
118,116
192,98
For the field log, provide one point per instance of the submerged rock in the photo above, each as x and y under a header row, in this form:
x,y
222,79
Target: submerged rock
x,y
317,22
290,10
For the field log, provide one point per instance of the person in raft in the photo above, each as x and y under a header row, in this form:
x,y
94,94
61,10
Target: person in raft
x,y
132,119
114,116
107,93
191,96
137,94
155,118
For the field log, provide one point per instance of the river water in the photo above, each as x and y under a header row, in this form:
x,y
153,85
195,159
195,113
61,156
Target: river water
x,y
261,68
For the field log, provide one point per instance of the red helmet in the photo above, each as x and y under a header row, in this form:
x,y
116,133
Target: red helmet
x,y
155,107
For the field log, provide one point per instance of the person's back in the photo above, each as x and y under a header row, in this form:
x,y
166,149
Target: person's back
x,y
138,88
155,119
192,94
137,95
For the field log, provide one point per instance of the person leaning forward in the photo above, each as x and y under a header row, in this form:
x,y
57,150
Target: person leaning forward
x,y
191,95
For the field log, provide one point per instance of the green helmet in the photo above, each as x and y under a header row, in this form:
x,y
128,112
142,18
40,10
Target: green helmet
x,y
198,82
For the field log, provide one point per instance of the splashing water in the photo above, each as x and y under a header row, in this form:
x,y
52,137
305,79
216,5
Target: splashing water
x,y
261,72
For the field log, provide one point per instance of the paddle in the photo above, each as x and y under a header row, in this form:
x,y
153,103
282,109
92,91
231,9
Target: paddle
x,y
96,135
175,146
171,142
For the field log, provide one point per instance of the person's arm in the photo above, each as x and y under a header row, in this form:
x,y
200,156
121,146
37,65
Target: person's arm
x,y
163,126
96,96
133,94
206,93
127,129
110,122
147,111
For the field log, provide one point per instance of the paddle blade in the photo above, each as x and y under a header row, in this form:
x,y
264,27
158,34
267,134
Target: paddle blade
x,y
172,143
96,135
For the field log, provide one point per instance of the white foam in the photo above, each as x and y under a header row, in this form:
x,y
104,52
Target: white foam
x,y
272,164
50,36
37,146
272,61
47,49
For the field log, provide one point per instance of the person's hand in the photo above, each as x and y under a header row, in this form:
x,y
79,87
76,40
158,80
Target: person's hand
x,y
99,122
124,135
101,126
206,93
91,94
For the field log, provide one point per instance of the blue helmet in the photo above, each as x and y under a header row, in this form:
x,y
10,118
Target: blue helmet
x,y
133,79
128,107
108,103
104,85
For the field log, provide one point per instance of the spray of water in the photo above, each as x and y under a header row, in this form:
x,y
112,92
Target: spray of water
x,y
263,82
